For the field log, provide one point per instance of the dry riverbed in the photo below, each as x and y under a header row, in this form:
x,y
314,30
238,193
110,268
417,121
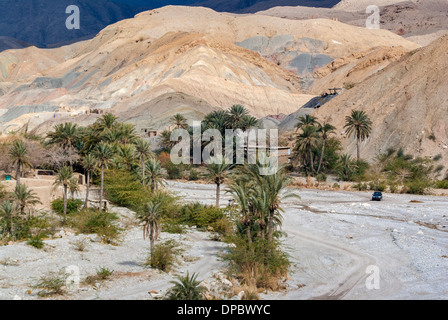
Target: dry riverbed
x,y
332,238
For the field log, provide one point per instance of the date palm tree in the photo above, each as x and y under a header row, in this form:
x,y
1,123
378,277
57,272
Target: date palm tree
x,y
20,158
155,173
242,191
186,288
90,164
359,125
103,153
325,130
305,121
73,187
24,198
143,152
8,213
64,135
218,174
150,216
235,116
126,155
306,141
179,121
65,174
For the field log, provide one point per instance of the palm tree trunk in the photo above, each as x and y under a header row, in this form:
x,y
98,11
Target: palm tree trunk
x,y
218,188
248,233
271,226
86,203
65,203
143,171
151,241
358,154
321,156
101,187
311,160
18,174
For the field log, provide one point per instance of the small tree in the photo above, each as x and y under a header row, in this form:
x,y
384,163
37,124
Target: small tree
x,y
218,173
186,288
63,179
104,154
24,198
19,156
359,125
90,164
150,217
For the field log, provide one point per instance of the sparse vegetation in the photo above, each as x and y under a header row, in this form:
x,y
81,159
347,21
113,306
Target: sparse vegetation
x,y
186,288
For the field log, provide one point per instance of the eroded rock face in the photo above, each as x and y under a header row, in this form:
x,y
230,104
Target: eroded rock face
x,y
178,59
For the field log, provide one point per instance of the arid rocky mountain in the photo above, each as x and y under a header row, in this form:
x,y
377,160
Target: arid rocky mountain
x,y
177,59
407,102
420,21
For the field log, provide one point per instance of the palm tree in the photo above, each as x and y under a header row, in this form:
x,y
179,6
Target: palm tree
x,y
186,288
306,141
89,163
143,151
242,191
126,154
104,153
107,121
155,173
305,121
150,216
19,156
8,212
269,190
346,167
216,120
64,135
325,130
24,198
360,126
65,174
73,186
179,121
217,173
235,116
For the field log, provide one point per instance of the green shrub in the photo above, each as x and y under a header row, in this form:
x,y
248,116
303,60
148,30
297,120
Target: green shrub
x,y
441,184
174,171
36,241
165,255
321,177
52,284
361,186
73,205
172,226
200,215
94,221
194,175
418,187
261,264
185,288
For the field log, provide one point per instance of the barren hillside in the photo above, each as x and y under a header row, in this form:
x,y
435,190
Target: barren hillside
x,y
179,59
407,103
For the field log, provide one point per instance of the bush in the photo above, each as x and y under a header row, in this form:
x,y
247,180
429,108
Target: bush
x,y
174,171
194,175
441,184
52,284
321,177
418,187
200,215
124,189
73,205
361,186
36,241
102,274
185,288
263,265
165,255
94,221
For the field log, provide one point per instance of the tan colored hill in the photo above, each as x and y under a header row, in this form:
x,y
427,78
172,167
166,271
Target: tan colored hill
x,y
407,103
177,59
420,21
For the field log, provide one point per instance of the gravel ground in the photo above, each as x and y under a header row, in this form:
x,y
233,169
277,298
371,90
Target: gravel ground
x,y
332,238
